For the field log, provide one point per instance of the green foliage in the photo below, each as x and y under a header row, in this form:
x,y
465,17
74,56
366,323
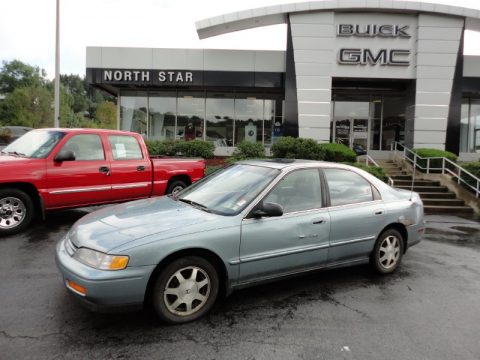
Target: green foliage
x,y
211,169
248,150
338,153
77,88
193,148
474,169
16,74
376,171
106,115
429,153
27,106
297,148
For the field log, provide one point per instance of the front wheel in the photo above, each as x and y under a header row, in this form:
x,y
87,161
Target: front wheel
x,y
388,251
16,211
185,290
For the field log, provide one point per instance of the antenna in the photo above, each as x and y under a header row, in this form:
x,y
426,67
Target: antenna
x,y
413,175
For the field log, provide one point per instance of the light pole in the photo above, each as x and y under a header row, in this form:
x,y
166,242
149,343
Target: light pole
x,y
56,119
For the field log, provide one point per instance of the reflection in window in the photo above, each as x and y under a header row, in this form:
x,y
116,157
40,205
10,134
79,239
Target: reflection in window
x,y
347,187
470,126
298,191
162,113
191,112
85,147
219,123
133,114
248,120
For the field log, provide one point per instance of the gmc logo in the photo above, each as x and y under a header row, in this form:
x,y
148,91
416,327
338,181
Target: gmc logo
x,y
366,56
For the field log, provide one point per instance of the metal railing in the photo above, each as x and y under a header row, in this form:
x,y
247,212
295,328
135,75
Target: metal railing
x,y
369,160
462,176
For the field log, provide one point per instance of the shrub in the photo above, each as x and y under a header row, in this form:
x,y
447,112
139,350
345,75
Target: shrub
x,y
474,169
248,150
376,171
429,153
194,148
297,148
164,147
338,153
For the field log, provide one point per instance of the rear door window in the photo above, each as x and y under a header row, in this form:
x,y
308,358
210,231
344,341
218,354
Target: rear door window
x,y
347,187
125,147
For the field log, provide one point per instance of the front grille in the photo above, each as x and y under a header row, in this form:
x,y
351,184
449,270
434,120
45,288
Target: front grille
x,y
70,246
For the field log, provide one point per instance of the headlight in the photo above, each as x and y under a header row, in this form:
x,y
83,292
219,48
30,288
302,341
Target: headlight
x,y
99,260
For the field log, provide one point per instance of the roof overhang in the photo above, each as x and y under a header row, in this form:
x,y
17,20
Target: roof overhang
x,y
278,14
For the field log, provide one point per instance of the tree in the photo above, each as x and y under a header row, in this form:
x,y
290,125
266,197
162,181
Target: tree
x,y
27,106
76,87
106,115
16,74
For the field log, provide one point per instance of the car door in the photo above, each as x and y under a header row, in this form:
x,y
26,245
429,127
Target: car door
x,y
295,241
85,180
131,170
357,214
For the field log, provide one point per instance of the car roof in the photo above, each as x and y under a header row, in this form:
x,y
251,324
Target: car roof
x,y
85,130
292,163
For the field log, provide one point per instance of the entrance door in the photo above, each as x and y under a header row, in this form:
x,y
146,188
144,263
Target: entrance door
x,y
351,124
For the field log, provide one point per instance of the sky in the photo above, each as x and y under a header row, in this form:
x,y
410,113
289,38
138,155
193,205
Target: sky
x,y
27,28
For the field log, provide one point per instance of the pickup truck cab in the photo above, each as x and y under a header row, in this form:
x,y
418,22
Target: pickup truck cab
x,y
48,169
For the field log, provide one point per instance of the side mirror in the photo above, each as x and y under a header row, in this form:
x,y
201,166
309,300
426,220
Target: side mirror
x,y
65,155
268,210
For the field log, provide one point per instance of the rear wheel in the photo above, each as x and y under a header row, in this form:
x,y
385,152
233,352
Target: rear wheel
x,y
176,186
388,251
185,290
16,211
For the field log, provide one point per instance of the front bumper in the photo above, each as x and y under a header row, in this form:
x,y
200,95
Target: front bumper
x,y
105,290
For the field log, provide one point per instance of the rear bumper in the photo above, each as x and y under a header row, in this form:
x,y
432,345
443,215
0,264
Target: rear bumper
x,y
415,233
105,290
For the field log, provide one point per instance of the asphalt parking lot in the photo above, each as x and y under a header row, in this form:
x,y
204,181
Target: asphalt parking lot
x,y
430,309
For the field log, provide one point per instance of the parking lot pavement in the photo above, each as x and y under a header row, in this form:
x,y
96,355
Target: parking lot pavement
x,y
427,310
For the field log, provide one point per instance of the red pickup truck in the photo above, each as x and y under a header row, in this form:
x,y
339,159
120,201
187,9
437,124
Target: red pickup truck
x,y
49,169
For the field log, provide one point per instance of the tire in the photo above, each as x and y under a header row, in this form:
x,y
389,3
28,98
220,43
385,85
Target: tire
x,y
181,295
16,211
176,186
388,251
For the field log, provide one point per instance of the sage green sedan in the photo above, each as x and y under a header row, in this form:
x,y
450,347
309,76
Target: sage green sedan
x,y
252,222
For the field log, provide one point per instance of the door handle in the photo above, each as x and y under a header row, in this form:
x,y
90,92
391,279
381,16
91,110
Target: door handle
x,y
379,212
105,170
318,221
141,168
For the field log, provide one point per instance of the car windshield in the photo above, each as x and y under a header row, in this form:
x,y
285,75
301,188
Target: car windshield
x,y
229,191
35,144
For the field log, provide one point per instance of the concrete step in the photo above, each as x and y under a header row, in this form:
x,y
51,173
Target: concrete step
x,y
433,209
417,183
443,202
437,195
420,189
401,177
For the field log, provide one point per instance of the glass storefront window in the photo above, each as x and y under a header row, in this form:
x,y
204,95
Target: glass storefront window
x,y
393,124
268,124
248,120
162,113
219,120
133,113
470,126
190,117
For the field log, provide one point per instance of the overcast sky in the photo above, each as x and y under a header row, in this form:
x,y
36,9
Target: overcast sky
x,y
27,28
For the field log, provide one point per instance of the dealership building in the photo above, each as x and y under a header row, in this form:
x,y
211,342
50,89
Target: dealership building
x,y
364,73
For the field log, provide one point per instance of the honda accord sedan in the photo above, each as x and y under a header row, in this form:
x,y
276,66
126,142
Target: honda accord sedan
x,y
251,222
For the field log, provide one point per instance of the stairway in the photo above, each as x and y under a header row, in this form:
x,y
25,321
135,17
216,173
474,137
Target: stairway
x,y
437,199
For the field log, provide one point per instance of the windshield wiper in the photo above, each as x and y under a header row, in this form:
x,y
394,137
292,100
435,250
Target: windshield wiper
x,y
15,153
195,205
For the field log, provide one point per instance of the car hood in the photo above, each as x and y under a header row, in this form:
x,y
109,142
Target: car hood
x,y
118,225
14,160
